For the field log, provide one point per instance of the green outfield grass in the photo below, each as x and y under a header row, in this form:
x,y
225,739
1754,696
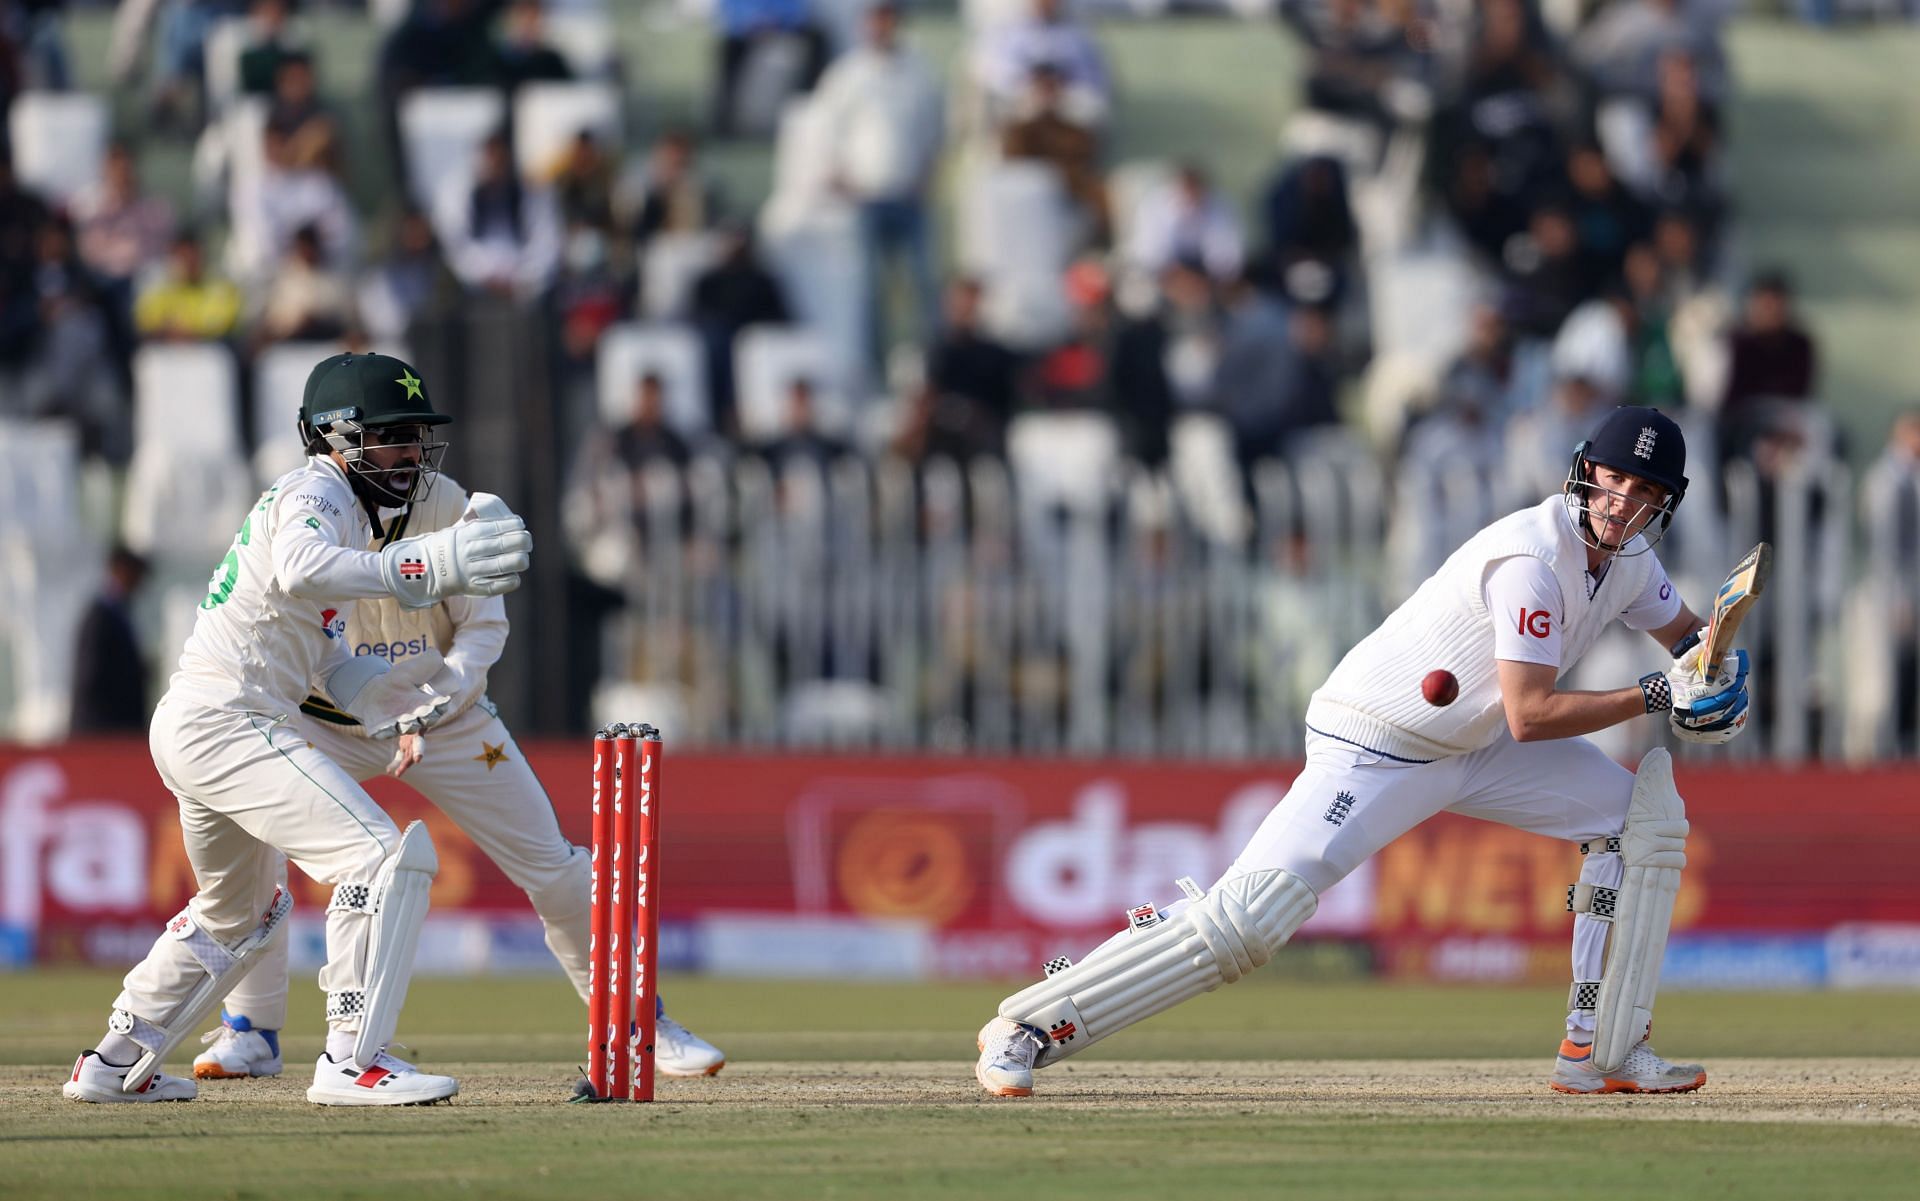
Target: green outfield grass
x,y
863,1091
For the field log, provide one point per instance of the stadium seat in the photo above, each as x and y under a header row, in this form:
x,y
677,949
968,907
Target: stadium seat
x,y
279,381
1067,459
822,267
226,41
802,187
548,116
670,264
1017,236
441,130
47,564
584,36
840,714
767,359
234,148
1206,478
1127,185
673,352
59,142
189,485
389,13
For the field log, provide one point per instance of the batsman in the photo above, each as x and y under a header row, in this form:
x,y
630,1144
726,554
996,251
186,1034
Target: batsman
x,y
1508,614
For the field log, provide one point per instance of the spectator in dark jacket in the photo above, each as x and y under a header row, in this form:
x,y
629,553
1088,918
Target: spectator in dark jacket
x,y
109,676
963,409
1771,359
736,293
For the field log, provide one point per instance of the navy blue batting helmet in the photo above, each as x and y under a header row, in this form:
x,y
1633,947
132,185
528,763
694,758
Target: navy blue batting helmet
x,y
1638,441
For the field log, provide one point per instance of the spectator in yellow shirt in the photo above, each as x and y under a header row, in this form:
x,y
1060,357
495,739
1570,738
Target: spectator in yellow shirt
x,y
185,305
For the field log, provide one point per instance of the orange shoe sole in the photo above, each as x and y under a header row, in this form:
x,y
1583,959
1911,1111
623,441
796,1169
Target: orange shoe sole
x,y
712,1071
1002,1090
213,1071
1627,1086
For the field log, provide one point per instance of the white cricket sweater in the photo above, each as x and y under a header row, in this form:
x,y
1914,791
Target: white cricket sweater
x,y
1373,697
269,628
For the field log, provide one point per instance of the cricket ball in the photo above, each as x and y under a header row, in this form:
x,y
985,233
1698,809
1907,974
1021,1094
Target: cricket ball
x,y
1440,688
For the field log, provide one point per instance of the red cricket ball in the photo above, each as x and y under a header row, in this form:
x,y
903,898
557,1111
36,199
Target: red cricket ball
x,y
1440,688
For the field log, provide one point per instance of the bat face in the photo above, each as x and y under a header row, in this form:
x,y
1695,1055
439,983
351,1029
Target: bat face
x,y
1742,588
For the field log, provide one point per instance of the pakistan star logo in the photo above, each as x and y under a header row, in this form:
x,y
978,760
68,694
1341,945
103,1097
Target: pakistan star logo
x,y
410,382
491,754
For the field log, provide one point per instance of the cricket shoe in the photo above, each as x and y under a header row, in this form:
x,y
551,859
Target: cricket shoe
x,y
678,1051
1642,1071
390,1081
97,1081
237,1051
1007,1052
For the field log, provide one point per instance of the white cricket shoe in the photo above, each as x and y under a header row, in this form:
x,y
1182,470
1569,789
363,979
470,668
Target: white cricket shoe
x,y
235,1055
1642,1071
390,1081
1007,1052
678,1051
97,1081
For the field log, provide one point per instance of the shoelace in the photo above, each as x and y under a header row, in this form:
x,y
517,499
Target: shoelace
x,y
1009,1046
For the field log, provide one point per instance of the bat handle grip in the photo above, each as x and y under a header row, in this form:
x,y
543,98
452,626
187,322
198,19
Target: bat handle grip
x,y
1685,644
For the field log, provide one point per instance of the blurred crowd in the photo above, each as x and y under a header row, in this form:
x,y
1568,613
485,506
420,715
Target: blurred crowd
x,y
1559,167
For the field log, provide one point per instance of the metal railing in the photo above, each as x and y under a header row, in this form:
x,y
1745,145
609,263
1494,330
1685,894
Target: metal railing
x,y
863,604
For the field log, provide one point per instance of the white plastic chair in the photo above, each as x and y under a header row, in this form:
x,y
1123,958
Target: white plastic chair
x,y
279,381
674,353
440,133
47,565
59,142
822,267
767,359
1206,477
1069,459
584,37
1017,234
548,116
189,484
670,264
226,42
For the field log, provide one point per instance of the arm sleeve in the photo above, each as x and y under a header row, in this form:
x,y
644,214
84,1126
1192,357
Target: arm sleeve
x,y
479,635
1523,602
1657,604
311,556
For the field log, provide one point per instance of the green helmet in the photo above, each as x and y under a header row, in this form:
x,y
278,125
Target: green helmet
x,y
356,402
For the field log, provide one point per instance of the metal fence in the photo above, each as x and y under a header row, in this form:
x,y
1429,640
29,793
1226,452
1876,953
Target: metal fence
x,y
863,604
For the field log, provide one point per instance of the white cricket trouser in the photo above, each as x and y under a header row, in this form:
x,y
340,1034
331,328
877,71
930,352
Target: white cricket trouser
x,y
1349,802
252,788
474,773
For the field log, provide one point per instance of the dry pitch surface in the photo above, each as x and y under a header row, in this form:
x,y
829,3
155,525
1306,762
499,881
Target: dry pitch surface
x,y
1739,1090
1268,1089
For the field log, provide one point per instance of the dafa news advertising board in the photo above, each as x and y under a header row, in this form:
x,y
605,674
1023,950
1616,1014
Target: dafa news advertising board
x,y
965,867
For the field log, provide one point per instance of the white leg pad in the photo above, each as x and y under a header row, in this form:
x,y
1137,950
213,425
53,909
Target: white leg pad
x,y
1654,850
1234,928
224,964
399,907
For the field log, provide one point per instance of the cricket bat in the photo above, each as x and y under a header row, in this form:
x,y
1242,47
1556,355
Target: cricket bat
x,y
1743,586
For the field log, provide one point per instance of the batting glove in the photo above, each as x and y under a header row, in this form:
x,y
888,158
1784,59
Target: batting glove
x,y
1710,713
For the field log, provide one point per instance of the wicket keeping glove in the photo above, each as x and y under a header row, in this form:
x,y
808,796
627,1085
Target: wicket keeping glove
x,y
482,554
389,700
